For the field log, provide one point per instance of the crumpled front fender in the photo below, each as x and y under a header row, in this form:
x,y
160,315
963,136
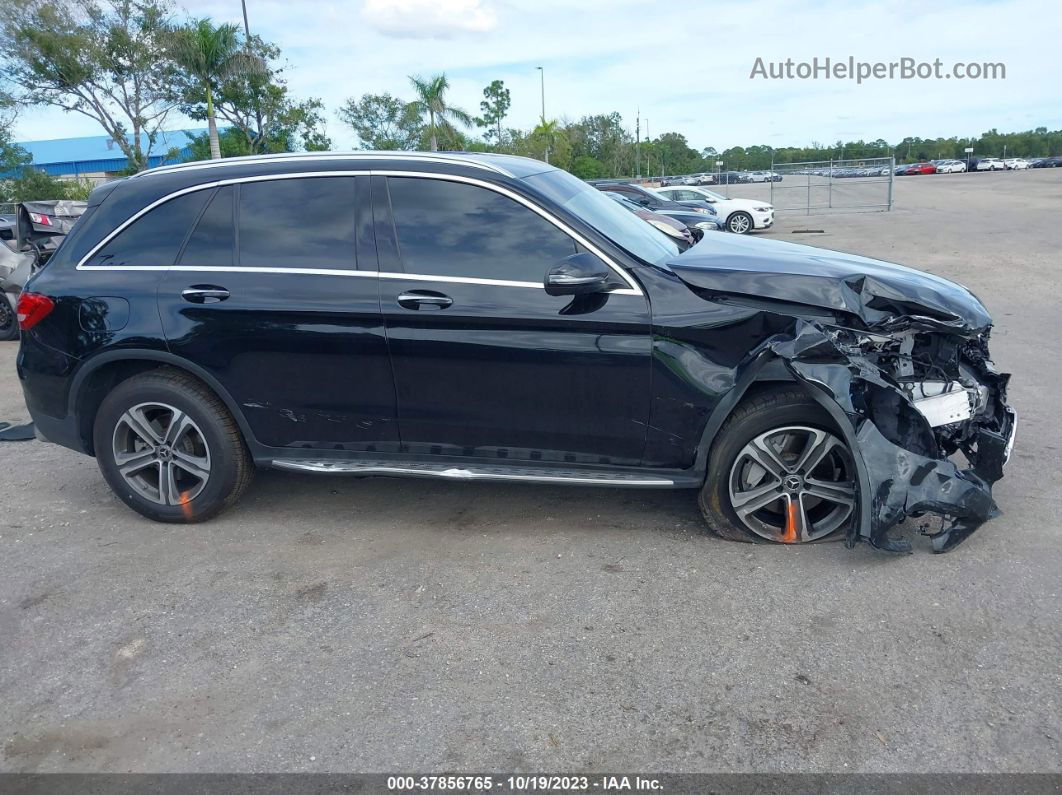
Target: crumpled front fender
x,y
901,473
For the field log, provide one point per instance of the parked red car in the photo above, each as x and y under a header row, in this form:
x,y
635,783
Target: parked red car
x,y
916,168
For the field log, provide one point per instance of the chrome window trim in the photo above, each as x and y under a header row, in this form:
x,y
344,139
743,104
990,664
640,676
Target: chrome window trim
x,y
632,289
297,157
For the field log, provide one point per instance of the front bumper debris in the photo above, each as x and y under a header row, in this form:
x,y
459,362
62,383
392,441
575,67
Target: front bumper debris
x,y
905,472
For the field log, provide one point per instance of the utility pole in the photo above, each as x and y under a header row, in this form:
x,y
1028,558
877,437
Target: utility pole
x,y
638,145
257,104
648,171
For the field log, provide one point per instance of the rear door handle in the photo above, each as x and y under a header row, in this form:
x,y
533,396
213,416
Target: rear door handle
x,y
424,299
205,294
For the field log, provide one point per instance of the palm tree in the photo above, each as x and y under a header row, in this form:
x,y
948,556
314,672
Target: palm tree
x,y
211,54
431,101
546,131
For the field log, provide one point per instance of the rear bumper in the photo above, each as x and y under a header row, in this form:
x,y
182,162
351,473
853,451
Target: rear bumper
x,y
63,431
45,375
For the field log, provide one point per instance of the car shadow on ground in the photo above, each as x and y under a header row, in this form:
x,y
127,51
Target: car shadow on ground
x,y
458,510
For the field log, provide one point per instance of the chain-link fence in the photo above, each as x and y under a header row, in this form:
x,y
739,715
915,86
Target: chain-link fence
x,y
833,185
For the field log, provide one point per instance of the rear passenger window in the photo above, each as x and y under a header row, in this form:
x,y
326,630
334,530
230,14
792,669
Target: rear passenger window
x,y
452,229
306,222
153,239
212,242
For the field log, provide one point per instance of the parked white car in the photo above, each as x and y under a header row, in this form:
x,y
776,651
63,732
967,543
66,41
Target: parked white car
x,y
950,167
738,215
990,164
1016,163
759,176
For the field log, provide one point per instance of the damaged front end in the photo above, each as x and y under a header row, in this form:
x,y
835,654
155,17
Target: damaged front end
x,y
913,398
899,358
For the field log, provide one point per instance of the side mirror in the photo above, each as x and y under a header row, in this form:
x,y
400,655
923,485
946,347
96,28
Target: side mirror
x,y
578,274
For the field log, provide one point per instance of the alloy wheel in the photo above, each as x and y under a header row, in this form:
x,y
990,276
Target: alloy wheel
x,y
161,453
739,224
793,484
7,317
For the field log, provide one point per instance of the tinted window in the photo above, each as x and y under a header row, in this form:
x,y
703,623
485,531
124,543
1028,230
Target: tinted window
x,y
213,240
451,229
154,239
298,223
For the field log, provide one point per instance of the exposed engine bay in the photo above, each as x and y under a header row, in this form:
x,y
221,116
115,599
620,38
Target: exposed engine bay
x,y
915,399
900,359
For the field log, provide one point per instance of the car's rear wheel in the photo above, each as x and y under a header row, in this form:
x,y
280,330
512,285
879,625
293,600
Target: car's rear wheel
x,y
739,223
779,472
170,449
8,320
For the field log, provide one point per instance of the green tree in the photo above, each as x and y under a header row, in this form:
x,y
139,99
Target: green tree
x,y
382,121
258,105
211,55
231,142
32,184
544,138
431,102
495,106
586,167
99,58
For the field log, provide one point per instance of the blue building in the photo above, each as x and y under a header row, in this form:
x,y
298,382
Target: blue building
x,y
98,158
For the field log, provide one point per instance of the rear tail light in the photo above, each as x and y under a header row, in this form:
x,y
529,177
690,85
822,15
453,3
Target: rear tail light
x,y
43,220
32,309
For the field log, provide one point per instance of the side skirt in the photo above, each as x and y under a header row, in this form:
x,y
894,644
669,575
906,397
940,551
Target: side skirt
x,y
571,476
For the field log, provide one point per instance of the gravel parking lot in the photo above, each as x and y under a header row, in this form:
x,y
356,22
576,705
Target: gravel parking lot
x,y
372,625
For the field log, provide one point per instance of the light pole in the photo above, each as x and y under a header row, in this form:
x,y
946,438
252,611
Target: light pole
x,y
257,104
638,145
542,74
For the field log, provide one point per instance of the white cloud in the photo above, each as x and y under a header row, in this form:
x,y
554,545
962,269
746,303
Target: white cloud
x,y
423,19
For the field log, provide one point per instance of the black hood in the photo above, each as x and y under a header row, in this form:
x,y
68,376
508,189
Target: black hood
x,y
881,294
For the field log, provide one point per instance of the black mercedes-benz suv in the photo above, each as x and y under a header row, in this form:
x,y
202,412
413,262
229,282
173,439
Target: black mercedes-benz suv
x,y
487,317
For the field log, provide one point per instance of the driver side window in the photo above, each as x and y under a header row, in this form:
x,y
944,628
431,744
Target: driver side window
x,y
453,229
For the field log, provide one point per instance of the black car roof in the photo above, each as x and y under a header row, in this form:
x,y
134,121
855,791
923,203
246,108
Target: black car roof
x,y
505,165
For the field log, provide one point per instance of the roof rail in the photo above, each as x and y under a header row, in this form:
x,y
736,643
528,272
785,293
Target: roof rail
x,y
287,157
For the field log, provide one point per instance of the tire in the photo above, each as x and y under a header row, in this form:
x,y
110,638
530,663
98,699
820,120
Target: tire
x,y
769,416
167,421
8,319
740,223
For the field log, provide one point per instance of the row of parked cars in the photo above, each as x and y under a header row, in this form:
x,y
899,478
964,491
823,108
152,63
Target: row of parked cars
x,y
838,172
685,213
720,178
977,164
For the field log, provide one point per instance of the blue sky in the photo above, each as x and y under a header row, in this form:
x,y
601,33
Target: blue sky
x,y
686,65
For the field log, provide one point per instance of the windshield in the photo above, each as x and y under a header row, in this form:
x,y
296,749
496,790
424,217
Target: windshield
x,y
712,195
634,208
623,228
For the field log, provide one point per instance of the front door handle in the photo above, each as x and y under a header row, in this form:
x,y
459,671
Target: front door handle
x,y
424,299
205,294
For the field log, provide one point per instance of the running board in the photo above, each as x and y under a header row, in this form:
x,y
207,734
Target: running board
x,y
573,477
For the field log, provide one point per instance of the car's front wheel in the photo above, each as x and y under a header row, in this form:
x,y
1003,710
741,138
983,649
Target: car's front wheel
x,y
779,472
739,223
170,449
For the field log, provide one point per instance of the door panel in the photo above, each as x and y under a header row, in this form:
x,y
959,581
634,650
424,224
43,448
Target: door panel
x,y
501,369
299,341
